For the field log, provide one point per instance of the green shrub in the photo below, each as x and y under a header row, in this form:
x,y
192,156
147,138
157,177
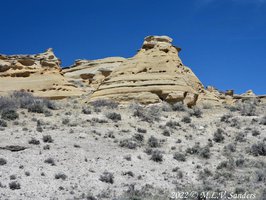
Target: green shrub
x,y
179,156
153,142
3,123
9,114
157,156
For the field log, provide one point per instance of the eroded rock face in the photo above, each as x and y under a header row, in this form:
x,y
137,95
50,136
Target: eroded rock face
x,y
39,74
92,72
155,74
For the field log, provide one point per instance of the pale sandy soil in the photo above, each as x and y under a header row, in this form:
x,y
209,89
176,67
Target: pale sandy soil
x,y
83,150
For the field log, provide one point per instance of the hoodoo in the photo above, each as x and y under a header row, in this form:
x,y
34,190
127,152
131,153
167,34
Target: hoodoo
x,y
154,74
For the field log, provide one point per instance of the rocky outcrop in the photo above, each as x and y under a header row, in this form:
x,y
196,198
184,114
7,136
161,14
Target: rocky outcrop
x,y
155,74
39,74
92,72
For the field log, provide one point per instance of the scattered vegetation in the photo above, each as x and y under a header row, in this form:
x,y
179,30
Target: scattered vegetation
x,y
34,141
263,120
2,161
104,103
157,155
113,116
9,114
47,139
179,106
148,114
14,185
186,119
60,175
179,156
248,108
107,177
128,143
3,123
142,130
218,135
202,152
153,142
86,110
50,161
195,111
258,149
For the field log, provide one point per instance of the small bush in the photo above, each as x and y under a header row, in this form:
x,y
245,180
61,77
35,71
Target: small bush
x,y
24,98
226,118
7,103
113,116
141,130
2,161
27,173
166,133
263,120
128,143
150,114
240,137
218,136
104,103
248,109
240,162
227,164
148,151
107,177
186,119
97,120
179,156
258,149
172,124
157,156
65,121
86,111
153,142
60,175
9,114
260,176
49,104
34,141
14,185
179,106
138,137
47,139
204,152
129,173
3,123
230,147
39,128
13,177
196,112
36,107
50,161
255,133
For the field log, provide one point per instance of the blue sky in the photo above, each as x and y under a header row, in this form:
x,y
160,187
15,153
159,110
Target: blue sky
x,y
223,41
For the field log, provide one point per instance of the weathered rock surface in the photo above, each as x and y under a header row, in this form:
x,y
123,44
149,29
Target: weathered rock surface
x,y
39,74
156,73
92,72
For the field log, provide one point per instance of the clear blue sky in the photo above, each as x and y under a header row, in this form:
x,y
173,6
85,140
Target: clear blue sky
x,y
223,41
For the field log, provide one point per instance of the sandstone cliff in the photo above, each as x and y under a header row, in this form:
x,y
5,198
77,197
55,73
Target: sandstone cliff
x,y
92,72
155,74
39,74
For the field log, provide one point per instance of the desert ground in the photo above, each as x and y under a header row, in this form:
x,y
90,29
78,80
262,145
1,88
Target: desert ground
x,y
69,149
